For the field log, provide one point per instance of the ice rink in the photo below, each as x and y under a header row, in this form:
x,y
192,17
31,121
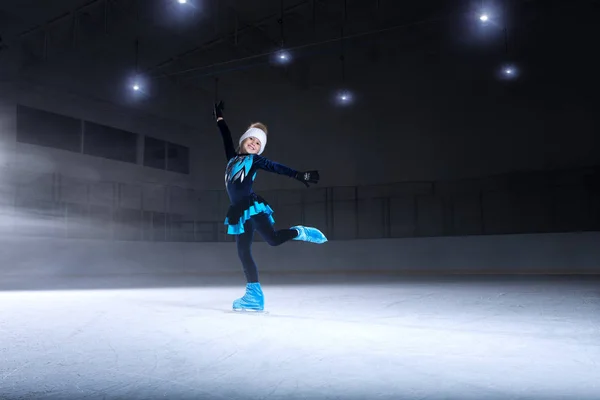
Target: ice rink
x,y
324,337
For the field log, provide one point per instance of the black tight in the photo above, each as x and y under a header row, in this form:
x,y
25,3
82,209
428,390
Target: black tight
x,y
261,224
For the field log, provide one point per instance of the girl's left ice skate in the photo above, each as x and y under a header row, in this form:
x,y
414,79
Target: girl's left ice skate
x,y
253,300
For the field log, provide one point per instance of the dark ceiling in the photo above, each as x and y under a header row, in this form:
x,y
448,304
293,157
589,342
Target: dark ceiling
x,y
170,33
96,40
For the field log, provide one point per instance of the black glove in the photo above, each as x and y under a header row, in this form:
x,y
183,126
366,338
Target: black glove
x,y
218,110
308,177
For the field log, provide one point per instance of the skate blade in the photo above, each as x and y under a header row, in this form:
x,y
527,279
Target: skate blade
x,y
247,311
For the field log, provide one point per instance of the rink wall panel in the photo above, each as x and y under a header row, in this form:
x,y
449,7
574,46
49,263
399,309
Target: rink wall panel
x,y
570,253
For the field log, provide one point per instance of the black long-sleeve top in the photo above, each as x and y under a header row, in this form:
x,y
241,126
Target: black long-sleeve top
x,y
242,168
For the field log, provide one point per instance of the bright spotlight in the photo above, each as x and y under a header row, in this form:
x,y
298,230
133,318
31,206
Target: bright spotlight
x,y
282,57
509,72
182,1
344,97
137,85
483,17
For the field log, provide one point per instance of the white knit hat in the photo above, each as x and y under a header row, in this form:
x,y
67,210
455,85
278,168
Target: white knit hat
x,y
257,133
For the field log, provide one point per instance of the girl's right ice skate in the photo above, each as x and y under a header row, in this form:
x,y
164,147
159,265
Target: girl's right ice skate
x,y
309,234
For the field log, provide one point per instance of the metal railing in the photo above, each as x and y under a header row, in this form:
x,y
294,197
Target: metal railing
x,y
556,201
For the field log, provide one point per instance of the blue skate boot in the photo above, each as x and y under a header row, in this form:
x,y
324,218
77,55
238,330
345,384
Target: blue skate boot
x,y
308,234
253,300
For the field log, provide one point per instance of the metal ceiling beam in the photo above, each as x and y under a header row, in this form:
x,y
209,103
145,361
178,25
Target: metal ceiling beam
x,y
59,18
139,18
209,44
255,26
262,34
74,14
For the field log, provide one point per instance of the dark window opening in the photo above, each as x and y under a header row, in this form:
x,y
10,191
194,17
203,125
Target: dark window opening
x,y
43,128
155,153
106,142
165,155
178,158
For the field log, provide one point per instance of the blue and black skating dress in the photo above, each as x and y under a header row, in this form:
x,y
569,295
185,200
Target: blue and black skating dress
x,y
239,176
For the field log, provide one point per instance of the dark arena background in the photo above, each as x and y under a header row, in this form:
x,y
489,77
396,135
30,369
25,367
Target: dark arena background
x,y
458,149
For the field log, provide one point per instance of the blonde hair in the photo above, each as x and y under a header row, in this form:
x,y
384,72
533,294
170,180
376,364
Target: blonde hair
x,y
258,125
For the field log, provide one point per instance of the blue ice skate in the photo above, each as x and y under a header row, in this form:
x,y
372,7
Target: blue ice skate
x,y
253,300
308,234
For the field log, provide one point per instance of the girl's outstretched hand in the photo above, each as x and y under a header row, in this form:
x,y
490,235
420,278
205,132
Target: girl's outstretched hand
x,y
308,177
218,110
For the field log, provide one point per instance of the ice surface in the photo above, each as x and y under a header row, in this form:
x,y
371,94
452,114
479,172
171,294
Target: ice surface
x,y
323,338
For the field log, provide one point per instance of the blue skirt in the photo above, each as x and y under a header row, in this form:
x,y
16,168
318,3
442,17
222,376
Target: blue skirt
x,y
243,210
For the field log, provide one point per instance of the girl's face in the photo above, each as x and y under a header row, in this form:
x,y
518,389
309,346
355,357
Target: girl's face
x,y
251,145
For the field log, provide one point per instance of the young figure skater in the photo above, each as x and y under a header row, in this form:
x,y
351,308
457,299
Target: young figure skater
x,y
248,211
